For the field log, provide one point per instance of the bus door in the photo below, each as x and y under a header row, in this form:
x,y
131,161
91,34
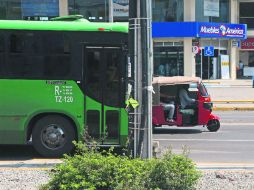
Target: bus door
x,y
103,73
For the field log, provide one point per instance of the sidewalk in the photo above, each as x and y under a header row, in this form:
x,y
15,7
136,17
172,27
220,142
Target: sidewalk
x,y
37,164
231,94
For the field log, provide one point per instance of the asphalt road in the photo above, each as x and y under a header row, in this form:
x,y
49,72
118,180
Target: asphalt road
x,y
17,152
233,143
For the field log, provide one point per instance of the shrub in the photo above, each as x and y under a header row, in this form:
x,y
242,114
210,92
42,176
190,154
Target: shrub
x,y
92,169
174,172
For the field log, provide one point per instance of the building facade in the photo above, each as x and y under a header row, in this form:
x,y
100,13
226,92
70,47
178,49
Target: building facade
x,y
179,55
191,58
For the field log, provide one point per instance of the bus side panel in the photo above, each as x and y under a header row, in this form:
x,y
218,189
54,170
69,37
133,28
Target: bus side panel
x,y
21,99
124,128
123,119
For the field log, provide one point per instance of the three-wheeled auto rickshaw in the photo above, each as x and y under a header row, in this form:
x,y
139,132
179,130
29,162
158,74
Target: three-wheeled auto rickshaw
x,y
198,114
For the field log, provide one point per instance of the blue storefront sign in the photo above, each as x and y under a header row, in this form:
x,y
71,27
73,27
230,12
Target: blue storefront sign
x,y
217,30
198,29
47,8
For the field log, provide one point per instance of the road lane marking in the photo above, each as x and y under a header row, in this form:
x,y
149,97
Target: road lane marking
x,y
210,140
237,124
205,151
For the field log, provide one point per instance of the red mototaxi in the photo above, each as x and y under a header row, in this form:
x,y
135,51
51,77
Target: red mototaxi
x,y
201,114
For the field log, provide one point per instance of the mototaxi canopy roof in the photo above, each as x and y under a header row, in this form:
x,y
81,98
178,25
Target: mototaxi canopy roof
x,y
172,83
175,80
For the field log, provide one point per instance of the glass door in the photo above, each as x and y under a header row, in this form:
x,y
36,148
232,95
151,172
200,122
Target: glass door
x,y
104,92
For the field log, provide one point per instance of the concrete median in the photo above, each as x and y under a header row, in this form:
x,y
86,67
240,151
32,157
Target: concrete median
x,y
232,105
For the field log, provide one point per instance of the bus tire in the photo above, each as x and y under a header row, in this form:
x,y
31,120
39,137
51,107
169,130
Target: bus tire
x,y
53,136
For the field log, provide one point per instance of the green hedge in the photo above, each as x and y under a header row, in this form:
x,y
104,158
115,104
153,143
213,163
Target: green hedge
x,y
92,170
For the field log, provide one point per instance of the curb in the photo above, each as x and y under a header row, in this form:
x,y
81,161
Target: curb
x,y
225,166
233,101
33,164
233,108
236,105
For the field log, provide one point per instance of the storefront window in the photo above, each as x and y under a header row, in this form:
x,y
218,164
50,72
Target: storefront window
x,y
210,67
246,14
223,12
121,10
93,10
39,10
168,60
167,10
10,9
245,67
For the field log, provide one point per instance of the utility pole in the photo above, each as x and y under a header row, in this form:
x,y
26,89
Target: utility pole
x,y
140,47
111,10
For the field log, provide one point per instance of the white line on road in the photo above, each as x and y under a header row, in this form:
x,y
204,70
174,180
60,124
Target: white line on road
x,y
237,124
210,140
193,151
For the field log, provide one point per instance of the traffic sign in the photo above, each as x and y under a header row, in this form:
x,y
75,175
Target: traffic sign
x,y
236,43
195,49
209,51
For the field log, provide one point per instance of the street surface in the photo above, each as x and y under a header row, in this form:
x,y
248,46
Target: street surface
x,y
17,152
233,143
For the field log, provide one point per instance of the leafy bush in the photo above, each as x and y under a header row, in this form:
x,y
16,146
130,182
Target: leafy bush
x,y
175,172
91,169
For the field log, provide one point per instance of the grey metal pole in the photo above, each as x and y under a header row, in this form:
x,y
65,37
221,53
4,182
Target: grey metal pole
x,y
110,14
149,76
145,145
135,80
139,78
140,44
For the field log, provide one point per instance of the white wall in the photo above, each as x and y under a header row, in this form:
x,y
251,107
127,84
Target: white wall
x,y
234,52
189,60
63,7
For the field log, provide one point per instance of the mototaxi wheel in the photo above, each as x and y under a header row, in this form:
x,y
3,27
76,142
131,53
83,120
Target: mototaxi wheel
x,y
52,136
213,125
153,127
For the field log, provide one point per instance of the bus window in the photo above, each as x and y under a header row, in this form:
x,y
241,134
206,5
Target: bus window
x,y
32,42
17,63
56,50
93,123
2,43
2,54
66,45
16,43
112,84
56,66
93,85
112,124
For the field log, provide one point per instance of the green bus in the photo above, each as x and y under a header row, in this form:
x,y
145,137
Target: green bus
x,y
60,79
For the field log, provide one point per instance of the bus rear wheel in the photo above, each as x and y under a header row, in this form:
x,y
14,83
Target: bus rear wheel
x,y
52,136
